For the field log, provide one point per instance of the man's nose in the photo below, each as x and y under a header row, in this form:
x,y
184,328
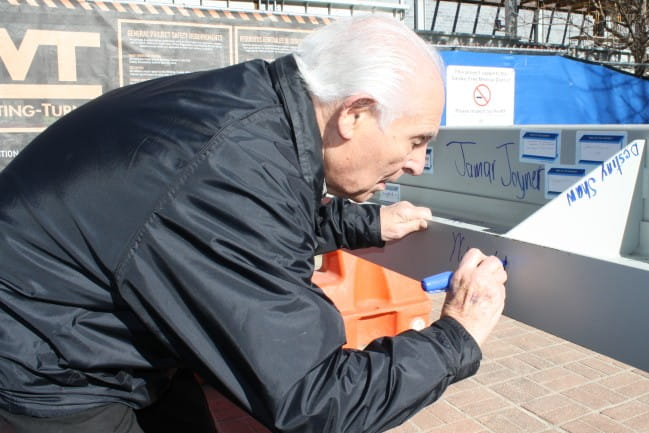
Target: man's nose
x,y
416,162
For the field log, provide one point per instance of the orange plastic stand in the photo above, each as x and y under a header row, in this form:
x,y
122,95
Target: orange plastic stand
x,y
374,301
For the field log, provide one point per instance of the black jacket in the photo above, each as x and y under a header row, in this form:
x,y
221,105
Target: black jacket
x,y
173,223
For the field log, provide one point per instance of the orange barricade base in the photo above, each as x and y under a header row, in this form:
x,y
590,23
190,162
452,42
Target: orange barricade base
x,y
374,301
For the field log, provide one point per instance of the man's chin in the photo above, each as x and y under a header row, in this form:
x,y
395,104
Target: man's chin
x,y
362,197
358,196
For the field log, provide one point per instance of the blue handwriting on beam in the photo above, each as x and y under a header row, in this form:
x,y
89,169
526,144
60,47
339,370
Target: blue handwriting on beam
x,y
521,180
479,169
586,188
460,248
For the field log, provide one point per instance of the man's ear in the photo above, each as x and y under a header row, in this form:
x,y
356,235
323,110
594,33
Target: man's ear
x,y
354,109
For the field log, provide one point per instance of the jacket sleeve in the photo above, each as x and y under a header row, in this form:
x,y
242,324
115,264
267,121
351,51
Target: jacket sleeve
x,y
344,224
383,385
221,274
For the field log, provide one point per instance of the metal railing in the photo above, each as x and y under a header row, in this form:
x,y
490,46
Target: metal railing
x,y
335,7
396,8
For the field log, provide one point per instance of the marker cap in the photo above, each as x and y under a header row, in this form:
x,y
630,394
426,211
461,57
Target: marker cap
x,y
437,283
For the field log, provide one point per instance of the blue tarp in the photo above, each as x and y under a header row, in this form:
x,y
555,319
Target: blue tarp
x,y
558,90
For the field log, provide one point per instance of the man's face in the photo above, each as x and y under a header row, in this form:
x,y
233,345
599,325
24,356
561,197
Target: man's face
x,y
369,157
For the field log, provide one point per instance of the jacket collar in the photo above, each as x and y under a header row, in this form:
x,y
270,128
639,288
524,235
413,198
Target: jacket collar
x,y
299,108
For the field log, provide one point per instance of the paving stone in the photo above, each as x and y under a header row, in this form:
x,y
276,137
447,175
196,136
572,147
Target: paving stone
x,y
425,420
514,420
561,354
462,426
461,386
641,372
496,375
520,390
556,409
445,412
533,382
627,410
470,396
641,387
585,370
596,423
602,364
594,396
534,360
639,424
559,378
496,349
517,366
619,380
485,406
532,341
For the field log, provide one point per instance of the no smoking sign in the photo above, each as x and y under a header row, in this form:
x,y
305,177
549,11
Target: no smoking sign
x,y
482,95
479,95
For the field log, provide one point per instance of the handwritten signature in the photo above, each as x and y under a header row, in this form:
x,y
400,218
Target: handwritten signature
x,y
521,180
460,248
586,189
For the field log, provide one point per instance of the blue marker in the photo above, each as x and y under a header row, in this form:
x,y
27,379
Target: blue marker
x,y
437,283
440,282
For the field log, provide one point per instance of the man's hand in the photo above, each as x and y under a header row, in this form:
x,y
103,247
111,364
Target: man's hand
x,y
402,218
476,297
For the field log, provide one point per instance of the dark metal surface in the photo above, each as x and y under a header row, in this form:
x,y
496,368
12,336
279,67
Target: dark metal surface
x,y
595,303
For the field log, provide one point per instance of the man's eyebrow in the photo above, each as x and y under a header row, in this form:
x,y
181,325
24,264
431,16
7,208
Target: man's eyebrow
x,y
428,136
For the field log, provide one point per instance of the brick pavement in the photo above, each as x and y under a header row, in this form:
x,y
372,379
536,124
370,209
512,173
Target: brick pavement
x,y
534,382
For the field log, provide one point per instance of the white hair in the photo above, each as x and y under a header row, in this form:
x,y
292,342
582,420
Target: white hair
x,y
371,54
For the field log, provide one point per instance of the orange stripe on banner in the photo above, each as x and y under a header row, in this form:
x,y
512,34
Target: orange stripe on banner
x,y
49,3
182,11
213,13
326,20
67,4
198,12
314,20
244,16
167,9
228,14
118,7
32,3
300,19
50,91
135,8
102,6
84,4
14,2
271,17
257,16
151,8
286,18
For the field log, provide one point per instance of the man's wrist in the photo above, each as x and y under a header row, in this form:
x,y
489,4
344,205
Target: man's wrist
x,y
467,349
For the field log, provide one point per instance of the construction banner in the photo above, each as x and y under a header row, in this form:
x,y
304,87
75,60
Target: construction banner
x,y
58,54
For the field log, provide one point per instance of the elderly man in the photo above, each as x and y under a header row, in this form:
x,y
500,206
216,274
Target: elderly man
x,y
171,225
